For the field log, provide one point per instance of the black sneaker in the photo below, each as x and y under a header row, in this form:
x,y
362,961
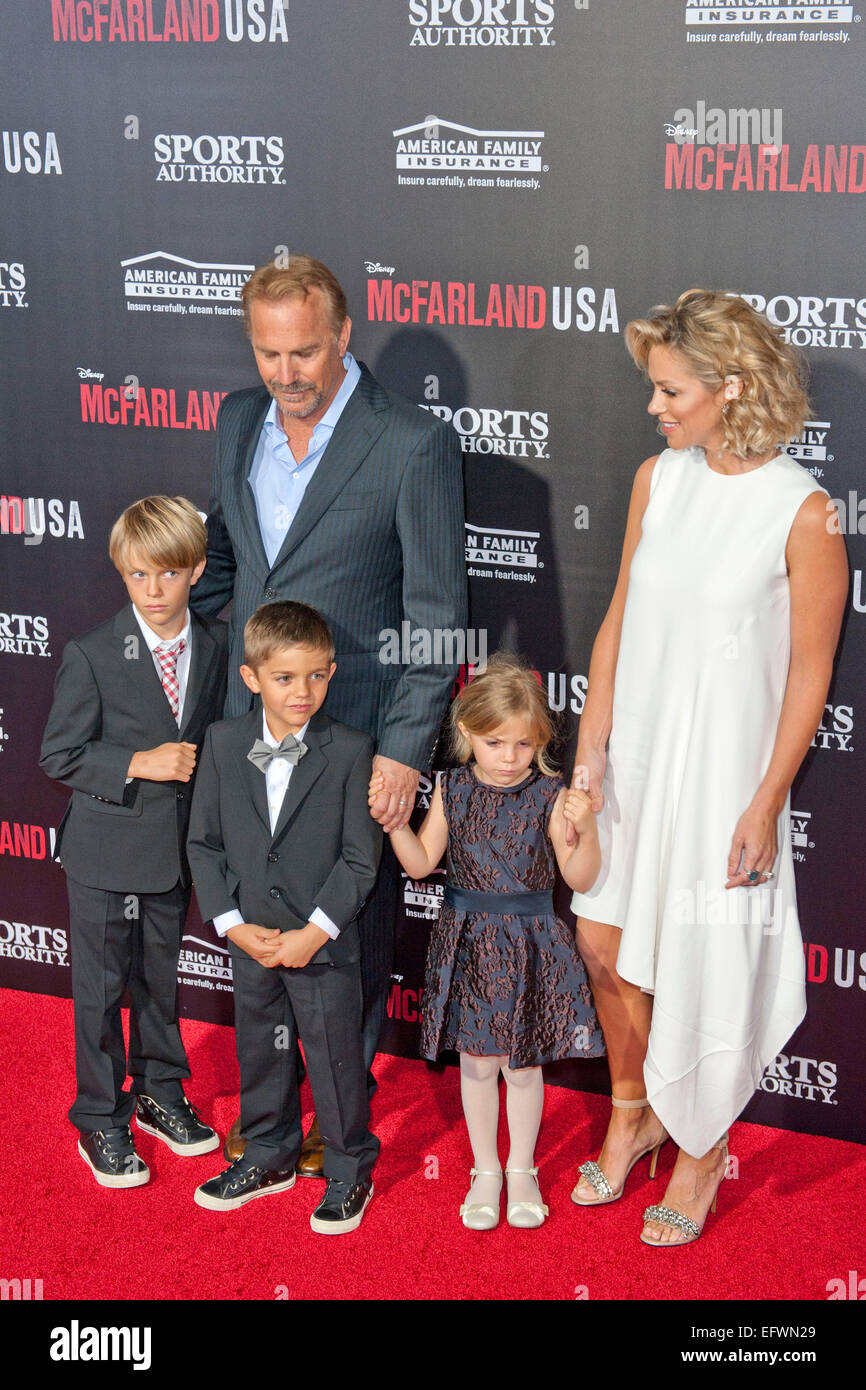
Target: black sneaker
x,y
176,1124
241,1183
342,1207
112,1158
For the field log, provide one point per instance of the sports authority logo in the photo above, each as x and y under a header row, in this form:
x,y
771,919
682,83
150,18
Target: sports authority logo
x,y
845,968
202,287
251,159
508,554
803,1078
811,448
482,23
472,305
443,154
153,407
37,517
13,285
817,321
740,21
801,829
422,897
836,729
205,964
169,21
23,634
40,945
506,433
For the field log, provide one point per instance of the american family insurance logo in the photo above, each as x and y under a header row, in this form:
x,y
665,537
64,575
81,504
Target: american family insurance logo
x,y
442,154
423,897
500,553
205,964
482,23
169,21
201,287
812,449
739,21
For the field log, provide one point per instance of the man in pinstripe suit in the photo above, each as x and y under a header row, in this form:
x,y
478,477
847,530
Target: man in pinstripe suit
x,y
330,490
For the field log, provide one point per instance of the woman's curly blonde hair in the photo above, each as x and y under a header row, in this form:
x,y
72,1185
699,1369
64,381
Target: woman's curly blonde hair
x,y
720,335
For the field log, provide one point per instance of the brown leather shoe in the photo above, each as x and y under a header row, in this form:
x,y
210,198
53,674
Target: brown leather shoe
x,y
234,1146
311,1157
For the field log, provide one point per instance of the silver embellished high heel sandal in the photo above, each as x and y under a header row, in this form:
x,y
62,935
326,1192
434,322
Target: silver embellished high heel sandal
x,y
528,1215
596,1178
668,1216
481,1216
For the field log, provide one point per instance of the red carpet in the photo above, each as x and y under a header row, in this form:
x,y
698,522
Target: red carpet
x,y
790,1222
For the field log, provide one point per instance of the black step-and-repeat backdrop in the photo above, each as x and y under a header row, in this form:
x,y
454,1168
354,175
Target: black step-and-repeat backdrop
x,y
500,185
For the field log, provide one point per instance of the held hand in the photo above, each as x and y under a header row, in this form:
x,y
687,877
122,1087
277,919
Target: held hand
x,y
393,804
170,762
296,948
255,940
577,810
587,777
377,785
754,847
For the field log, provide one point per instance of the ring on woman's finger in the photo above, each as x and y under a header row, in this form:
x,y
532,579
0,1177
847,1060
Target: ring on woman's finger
x,y
753,876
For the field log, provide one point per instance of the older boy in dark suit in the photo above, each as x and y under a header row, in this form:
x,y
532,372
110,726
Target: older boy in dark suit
x,y
132,701
283,852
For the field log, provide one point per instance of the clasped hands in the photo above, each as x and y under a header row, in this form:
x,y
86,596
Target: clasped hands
x,y
271,947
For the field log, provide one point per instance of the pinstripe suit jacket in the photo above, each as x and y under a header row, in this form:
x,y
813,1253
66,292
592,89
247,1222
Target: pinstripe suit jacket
x,y
377,541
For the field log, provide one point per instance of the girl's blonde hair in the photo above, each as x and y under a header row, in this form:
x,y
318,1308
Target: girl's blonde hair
x,y
504,688
720,335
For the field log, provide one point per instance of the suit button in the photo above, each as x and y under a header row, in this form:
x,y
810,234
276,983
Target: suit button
x,y
272,858
270,593
180,796
274,892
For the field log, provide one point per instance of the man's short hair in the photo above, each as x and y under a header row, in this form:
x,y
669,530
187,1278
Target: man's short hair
x,y
168,531
292,277
276,626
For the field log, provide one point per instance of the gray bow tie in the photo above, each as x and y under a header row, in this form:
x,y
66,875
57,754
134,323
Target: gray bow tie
x,y
262,754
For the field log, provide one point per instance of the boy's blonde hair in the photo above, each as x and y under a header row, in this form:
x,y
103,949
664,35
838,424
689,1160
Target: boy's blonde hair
x,y
168,531
276,626
505,688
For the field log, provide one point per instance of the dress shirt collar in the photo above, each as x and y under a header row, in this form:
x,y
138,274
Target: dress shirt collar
x,y
272,742
153,639
277,434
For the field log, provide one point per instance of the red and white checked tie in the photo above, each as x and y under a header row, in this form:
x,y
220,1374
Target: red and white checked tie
x,y
167,657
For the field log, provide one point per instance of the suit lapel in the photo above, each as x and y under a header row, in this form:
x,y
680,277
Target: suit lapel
x,y
249,428
202,660
355,433
307,772
142,685
251,778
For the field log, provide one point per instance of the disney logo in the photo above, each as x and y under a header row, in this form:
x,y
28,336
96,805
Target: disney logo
x,y
91,376
680,131
374,268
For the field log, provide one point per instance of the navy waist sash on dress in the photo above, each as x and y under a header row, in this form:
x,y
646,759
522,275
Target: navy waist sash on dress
x,y
513,904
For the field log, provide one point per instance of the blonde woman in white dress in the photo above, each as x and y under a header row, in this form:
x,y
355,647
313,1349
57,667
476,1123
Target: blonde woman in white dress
x,y
707,683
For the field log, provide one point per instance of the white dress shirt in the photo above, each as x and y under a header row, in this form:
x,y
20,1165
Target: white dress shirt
x,y
277,778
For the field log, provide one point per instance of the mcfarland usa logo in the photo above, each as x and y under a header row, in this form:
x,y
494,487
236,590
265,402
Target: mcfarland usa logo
x,y
30,152
476,305
22,634
844,968
40,945
482,23
803,1078
504,554
202,287
255,159
169,21
34,518
153,407
205,964
441,153
505,433
13,285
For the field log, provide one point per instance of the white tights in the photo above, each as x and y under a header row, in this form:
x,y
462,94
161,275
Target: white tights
x,y
524,1099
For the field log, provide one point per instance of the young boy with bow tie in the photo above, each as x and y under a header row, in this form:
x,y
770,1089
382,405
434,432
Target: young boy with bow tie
x,y
283,853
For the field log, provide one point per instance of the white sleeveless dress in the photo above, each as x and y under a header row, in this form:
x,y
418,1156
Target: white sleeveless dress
x,y
700,679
